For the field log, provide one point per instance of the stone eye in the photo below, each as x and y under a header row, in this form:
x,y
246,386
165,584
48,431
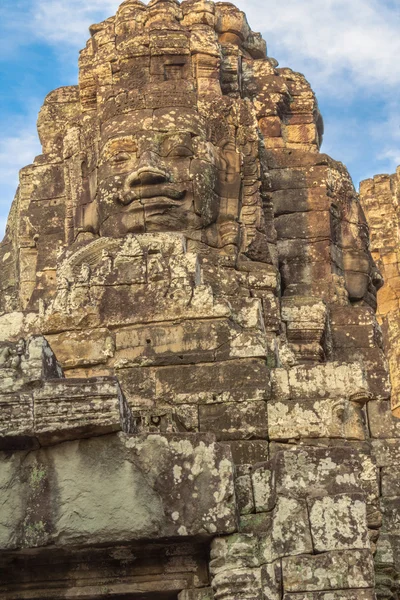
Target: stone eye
x,y
180,151
121,157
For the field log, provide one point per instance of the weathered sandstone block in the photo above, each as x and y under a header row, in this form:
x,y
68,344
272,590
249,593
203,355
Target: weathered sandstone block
x,y
334,571
69,409
161,487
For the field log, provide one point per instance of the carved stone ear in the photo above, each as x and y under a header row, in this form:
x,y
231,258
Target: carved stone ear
x,y
230,176
229,189
232,159
84,185
89,219
356,266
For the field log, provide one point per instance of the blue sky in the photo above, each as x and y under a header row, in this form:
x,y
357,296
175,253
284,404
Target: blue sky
x,y
349,51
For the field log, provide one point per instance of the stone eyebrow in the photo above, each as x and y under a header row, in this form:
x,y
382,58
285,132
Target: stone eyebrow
x,y
175,139
120,145
178,136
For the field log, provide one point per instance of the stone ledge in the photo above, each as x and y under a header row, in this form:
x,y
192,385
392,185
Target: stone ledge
x,y
116,489
61,410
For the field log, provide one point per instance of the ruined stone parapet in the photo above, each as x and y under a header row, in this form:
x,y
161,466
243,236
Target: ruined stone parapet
x,y
40,407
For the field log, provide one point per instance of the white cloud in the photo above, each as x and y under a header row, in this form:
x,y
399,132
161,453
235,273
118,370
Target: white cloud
x,y
333,40
16,151
385,136
68,21
13,29
391,157
340,45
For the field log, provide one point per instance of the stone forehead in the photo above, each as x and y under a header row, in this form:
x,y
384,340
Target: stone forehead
x,y
170,56
189,15
147,123
145,140
163,119
130,7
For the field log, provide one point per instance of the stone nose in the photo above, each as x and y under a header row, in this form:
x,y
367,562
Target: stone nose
x,y
150,171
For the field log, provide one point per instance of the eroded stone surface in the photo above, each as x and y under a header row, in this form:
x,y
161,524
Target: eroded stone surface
x,y
339,522
41,407
336,571
161,487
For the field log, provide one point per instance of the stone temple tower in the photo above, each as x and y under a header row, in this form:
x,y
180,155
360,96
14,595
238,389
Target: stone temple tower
x,y
195,400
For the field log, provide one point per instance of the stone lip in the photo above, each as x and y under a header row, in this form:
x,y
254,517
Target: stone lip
x,y
116,489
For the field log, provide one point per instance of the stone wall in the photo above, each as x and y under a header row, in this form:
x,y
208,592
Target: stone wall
x,y
195,394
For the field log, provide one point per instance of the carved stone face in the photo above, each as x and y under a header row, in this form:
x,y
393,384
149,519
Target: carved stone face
x,y
161,179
